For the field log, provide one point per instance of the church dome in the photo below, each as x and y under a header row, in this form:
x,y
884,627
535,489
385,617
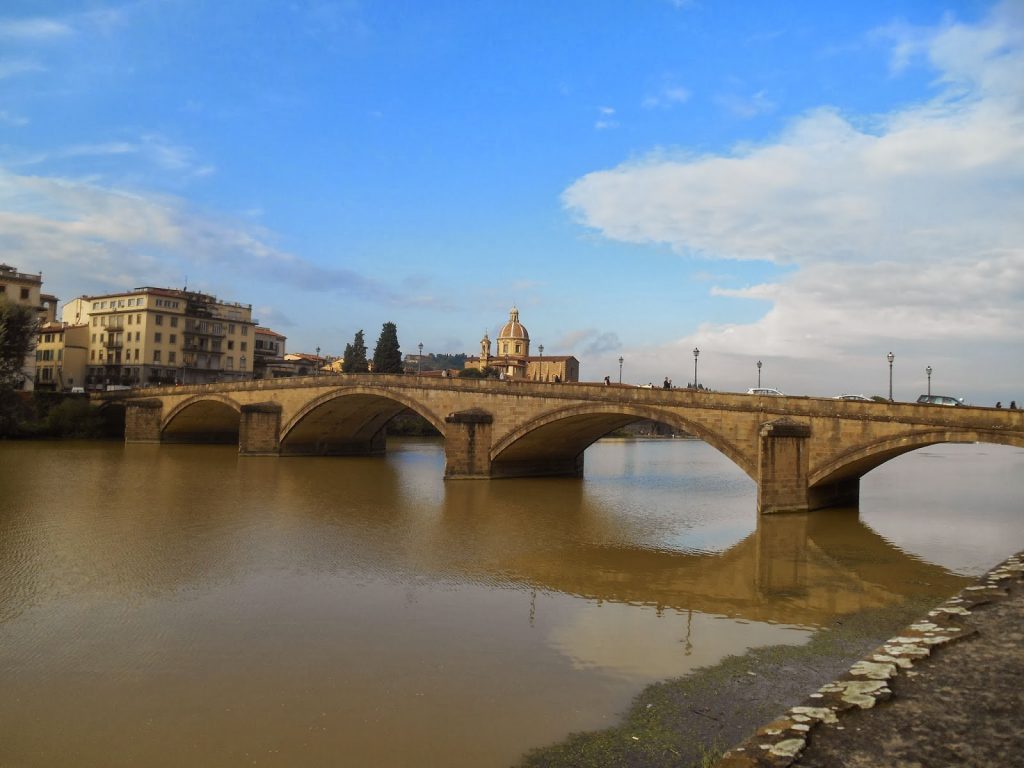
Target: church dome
x,y
513,329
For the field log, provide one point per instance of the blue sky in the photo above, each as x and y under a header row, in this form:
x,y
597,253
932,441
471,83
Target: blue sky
x,y
809,184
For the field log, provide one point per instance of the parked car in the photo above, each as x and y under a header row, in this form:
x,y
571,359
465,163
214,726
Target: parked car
x,y
764,391
852,397
940,400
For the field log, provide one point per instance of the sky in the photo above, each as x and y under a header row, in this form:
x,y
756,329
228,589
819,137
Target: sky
x,y
812,185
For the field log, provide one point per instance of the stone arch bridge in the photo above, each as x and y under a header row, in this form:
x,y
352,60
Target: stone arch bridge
x,y
804,453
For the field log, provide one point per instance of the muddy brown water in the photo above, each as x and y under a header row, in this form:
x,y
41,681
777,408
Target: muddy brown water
x,y
180,605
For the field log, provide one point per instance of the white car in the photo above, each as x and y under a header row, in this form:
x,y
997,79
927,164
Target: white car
x,y
852,397
764,391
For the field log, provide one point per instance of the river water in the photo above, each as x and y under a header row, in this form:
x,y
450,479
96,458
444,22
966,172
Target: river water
x,y
179,605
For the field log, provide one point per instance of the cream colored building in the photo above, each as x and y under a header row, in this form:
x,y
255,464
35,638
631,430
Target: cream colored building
x,y
269,362
25,289
61,356
512,358
164,336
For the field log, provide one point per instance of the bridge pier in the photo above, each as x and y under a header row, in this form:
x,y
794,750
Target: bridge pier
x,y
784,448
467,445
142,420
258,430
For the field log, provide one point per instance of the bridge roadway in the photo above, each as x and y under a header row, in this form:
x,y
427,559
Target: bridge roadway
x,y
804,453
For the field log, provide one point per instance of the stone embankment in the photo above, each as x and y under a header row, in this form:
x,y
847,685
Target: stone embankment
x,y
946,691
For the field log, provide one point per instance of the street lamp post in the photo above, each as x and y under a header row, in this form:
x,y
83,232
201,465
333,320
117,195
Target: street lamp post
x,y
696,354
928,370
620,369
890,357
758,374
541,348
419,358
316,371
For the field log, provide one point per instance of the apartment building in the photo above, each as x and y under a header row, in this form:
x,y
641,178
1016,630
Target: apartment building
x,y
26,289
152,336
269,362
62,353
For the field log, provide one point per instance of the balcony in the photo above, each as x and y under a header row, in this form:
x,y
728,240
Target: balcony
x,y
205,328
113,342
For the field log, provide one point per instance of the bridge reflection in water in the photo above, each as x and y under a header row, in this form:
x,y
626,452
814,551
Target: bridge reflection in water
x,y
800,569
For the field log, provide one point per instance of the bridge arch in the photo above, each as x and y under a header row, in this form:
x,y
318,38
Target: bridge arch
x,y
204,418
558,438
350,420
857,462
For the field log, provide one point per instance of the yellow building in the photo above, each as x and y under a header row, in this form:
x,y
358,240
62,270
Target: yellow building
x,y
512,358
164,336
61,356
25,289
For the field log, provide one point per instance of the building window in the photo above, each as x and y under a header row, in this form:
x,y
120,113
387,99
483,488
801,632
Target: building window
x,y
95,322
231,364
94,338
172,358
158,337
244,345
231,344
138,319
129,319
92,354
136,354
245,330
174,321
156,355
174,338
231,328
519,348
159,319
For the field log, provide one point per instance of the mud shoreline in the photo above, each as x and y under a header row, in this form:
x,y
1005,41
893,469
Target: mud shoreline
x,y
690,721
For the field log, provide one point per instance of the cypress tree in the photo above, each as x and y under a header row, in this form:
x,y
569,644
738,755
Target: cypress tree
x,y
387,357
355,355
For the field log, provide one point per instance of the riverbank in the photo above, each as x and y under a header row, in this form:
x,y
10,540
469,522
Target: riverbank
x,y
691,721
946,693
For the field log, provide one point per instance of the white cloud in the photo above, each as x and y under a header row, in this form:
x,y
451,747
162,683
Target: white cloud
x,y
668,96
748,106
33,29
905,228
13,67
151,148
98,238
10,118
